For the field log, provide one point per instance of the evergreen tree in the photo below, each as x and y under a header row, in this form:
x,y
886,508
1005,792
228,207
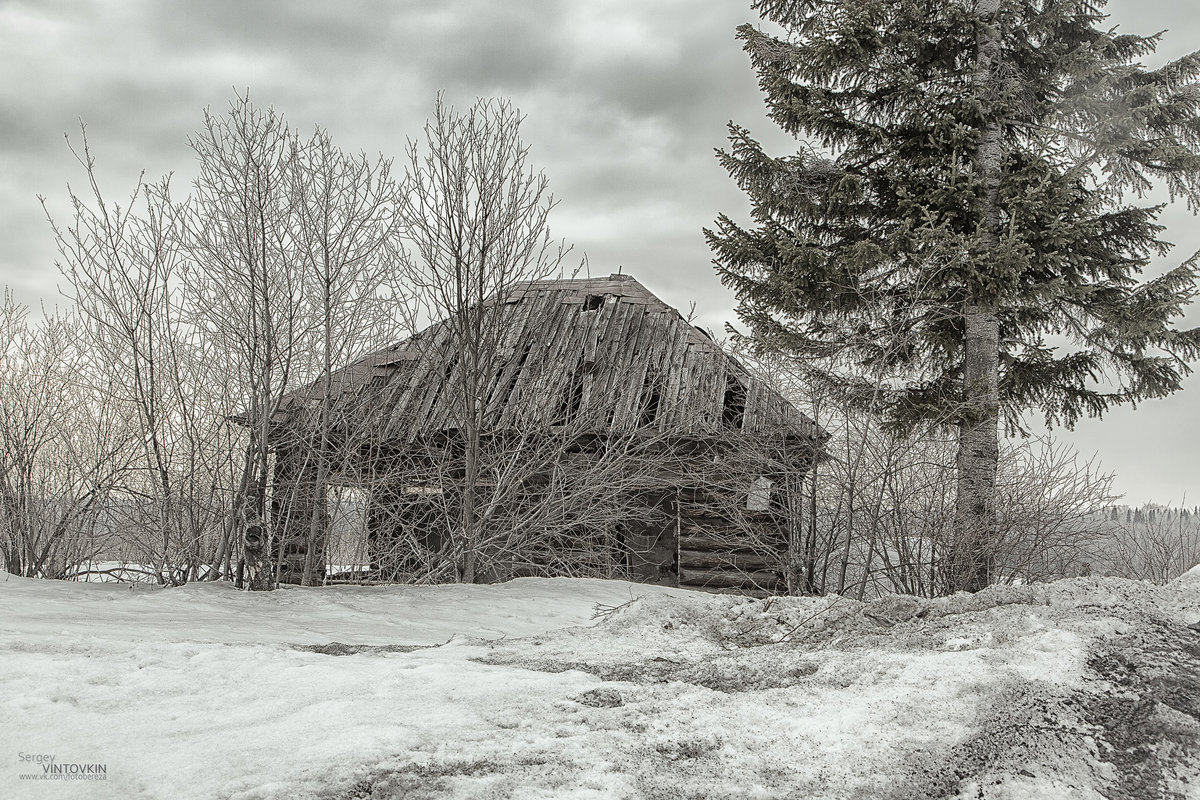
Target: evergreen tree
x,y
961,233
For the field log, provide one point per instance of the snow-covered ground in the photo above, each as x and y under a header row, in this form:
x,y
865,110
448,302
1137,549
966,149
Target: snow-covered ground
x,y
1085,688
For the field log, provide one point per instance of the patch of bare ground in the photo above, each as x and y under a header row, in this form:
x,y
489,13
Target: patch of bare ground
x,y
1148,723
440,778
341,649
1087,688
1123,726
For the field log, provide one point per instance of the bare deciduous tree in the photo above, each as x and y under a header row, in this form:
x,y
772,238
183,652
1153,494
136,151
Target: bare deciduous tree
x,y
346,241
277,266
884,502
64,447
475,213
1150,543
238,228
121,263
288,272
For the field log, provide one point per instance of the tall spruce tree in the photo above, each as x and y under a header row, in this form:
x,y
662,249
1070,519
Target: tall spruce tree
x,y
961,234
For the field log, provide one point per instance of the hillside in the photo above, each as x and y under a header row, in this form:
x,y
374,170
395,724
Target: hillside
x,y
1083,688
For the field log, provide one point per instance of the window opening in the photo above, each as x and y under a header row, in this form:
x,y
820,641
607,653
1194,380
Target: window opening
x,y
733,411
346,549
759,498
651,400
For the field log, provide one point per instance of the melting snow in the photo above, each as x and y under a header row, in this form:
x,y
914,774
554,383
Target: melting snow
x,y
516,690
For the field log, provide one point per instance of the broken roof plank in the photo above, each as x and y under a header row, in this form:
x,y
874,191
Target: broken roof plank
x,y
553,349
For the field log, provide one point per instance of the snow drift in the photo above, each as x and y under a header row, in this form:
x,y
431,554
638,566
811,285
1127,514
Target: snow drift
x,y
599,689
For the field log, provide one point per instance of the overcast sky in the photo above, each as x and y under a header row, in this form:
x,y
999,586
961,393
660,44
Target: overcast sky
x,y
626,100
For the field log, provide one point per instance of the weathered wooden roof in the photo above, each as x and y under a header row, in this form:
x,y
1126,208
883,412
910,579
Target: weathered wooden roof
x,y
603,355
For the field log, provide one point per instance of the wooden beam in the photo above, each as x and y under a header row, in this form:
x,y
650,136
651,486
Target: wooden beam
x,y
760,579
718,544
742,562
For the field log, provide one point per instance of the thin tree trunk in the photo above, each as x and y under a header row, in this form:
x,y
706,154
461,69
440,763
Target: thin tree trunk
x,y
472,534
256,538
821,586
317,532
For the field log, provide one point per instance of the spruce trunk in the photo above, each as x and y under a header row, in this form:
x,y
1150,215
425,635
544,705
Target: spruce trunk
x,y
978,453
973,550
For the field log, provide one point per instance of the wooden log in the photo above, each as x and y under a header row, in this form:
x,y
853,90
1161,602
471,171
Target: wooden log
x,y
704,521
760,579
719,544
710,510
745,562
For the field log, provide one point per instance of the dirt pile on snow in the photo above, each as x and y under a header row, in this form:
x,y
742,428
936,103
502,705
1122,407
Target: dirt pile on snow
x,y
744,622
1148,718
1055,690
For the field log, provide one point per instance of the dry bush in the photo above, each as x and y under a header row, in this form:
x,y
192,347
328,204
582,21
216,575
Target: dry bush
x,y
64,448
1151,543
278,265
883,503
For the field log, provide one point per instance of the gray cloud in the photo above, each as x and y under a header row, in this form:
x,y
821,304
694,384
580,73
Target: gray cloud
x,y
625,100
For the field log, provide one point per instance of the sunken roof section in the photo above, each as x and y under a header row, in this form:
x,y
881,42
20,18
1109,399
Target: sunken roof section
x,y
601,355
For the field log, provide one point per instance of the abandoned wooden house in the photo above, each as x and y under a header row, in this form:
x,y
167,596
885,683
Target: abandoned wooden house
x,y
565,427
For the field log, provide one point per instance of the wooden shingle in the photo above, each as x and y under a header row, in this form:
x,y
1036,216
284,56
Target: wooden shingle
x,y
606,343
